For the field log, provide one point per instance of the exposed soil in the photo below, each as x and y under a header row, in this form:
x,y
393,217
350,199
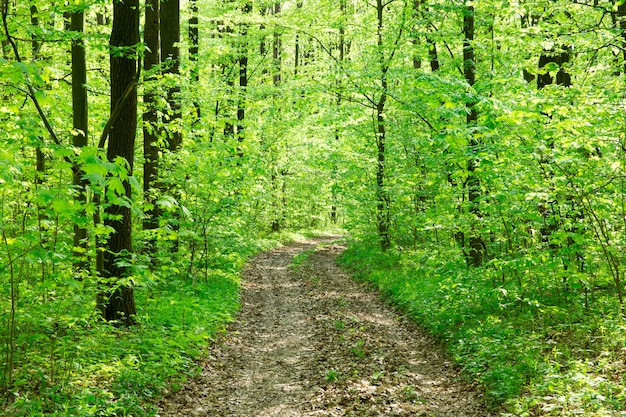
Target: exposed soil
x,y
309,341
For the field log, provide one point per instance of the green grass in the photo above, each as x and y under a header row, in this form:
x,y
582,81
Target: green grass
x,y
534,352
68,362
102,370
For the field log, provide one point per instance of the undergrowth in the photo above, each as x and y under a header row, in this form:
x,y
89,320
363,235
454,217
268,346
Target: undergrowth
x,y
536,349
68,362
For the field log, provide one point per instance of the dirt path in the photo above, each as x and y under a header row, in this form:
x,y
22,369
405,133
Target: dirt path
x,y
310,341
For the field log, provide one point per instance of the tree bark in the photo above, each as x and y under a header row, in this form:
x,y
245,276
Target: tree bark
x,y
170,56
40,157
342,51
194,50
243,81
476,245
117,301
383,204
150,118
80,122
277,50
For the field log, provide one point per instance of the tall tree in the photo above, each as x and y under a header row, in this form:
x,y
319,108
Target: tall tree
x,y
383,200
170,57
194,49
150,114
80,122
117,300
40,158
338,102
475,242
278,175
243,77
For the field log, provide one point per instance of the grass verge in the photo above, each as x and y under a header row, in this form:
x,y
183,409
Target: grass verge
x,y
535,351
68,362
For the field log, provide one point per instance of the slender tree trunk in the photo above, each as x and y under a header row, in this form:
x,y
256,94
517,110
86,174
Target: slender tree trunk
x,y
194,50
619,20
278,179
40,158
170,60
277,50
383,205
340,60
558,55
150,118
243,81
170,56
117,301
80,121
34,21
476,244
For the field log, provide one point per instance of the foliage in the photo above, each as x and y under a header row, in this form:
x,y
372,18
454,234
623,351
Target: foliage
x,y
282,109
67,361
536,349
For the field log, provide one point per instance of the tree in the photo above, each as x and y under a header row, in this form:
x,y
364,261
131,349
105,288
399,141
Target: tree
x,y
382,208
170,56
80,124
475,244
194,49
117,300
243,78
151,130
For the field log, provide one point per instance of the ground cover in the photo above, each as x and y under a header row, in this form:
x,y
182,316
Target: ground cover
x,y
534,349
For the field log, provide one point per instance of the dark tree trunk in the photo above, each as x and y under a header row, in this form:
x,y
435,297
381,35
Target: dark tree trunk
x,y
383,205
243,81
170,56
341,58
150,118
34,21
277,51
40,158
80,121
278,180
194,50
117,301
475,250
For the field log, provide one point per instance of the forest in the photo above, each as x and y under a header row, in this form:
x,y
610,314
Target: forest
x,y
473,153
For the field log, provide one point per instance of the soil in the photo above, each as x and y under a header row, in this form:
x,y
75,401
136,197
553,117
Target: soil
x,y
310,341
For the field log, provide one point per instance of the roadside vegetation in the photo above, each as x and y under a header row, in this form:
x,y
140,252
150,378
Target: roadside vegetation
x,y
542,349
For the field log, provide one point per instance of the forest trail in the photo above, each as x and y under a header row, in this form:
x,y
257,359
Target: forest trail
x,y
309,341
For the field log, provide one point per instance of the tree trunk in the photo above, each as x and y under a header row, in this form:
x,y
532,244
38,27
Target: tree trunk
x,y
382,208
150,121
117,301
475,242
80,122
40,158
170,56
341,58
277,51
278,180
194,49
618,16
243,81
